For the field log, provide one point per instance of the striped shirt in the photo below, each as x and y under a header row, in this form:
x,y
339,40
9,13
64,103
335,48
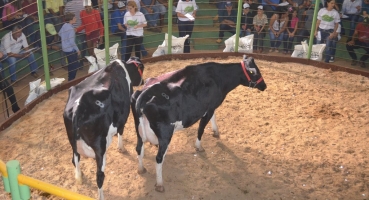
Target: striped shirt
x,y
75,6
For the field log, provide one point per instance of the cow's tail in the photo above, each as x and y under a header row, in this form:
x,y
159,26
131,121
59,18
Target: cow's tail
x,y
152,96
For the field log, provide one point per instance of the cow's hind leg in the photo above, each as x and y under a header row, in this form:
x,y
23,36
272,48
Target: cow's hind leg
x,y
214,126
77,170
100,153
163,147
140,149
204,120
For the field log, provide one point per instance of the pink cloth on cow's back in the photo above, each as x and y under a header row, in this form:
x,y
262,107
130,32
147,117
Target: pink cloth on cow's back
x,y
152,81
12,9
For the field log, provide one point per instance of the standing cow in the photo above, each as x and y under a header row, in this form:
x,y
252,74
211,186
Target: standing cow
x,y
98,108
179,99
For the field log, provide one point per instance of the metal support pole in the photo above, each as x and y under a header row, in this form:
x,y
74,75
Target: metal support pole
x,y
106,32
13,169
238,25
170,23
43,43
313,28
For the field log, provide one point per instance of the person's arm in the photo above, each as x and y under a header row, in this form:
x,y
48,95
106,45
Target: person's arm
x,y
272,20
99,23
344,7
295,28
354,37
70,40
281,30
83,26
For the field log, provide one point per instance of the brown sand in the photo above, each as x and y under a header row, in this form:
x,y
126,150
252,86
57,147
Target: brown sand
x,y
305,137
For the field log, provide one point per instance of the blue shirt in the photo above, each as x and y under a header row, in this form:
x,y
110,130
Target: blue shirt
x,y
68,36
117,17
271,1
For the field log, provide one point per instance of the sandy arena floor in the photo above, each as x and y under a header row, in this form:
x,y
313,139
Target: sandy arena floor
x,y
304,137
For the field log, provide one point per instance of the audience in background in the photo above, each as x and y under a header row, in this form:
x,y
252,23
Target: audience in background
x,y
227,20
246,21
69,46
11,15
151,12
327,24
360,39
29,8
351,10
54,12
291,30
277,27
15,45
8,89
269,7
118,28
135,21
260,22
186,9
94,29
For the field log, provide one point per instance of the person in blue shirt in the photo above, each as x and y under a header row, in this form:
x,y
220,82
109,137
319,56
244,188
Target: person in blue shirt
x,y
69,46
227,21
117,26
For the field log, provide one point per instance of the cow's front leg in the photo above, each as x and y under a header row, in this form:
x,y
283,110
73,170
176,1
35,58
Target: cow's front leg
x,y
120,143
214,126
204,120
163,147
77,170
100,153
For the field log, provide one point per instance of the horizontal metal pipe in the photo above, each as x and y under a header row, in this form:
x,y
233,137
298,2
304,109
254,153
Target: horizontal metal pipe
x,y
49,188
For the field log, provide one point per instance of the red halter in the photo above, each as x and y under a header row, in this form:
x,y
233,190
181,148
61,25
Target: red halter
x,y
138,68
247,75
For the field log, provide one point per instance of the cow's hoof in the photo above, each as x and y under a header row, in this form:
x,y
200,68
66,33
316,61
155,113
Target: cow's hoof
x,y
216,135
159,188
141,171
79,180
200,149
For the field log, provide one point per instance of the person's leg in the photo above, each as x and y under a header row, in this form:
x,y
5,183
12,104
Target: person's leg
x,y
129,47
330,44
149,17
32,63
255,44
353,21
285,42
73,64
222,28
366,48
290,43
279,40
261,41
138,44
351,52
188,31
82,46
272,39
12,70
123,37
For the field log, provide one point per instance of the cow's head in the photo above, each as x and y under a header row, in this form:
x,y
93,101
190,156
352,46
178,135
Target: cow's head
x,y
135,70
252,74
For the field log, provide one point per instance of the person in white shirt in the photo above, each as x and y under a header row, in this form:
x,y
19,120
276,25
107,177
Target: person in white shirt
x,y
186,9
351,10
327,24
12,44
135,21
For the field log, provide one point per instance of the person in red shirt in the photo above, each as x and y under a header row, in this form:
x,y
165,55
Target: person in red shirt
x,y
91,23
360,39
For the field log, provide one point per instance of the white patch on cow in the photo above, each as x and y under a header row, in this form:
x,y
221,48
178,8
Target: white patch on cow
x,y
145,131
198,144
100,194
111,132
176,84
214,125
104,163
77,170
127,75
141,168
120,142
84,149
177,126
159,171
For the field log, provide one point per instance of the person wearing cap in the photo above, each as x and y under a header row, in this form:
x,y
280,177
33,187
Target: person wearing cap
x,y
91,23
14,45
260,21
69,46
186,9
246,21
135,21
360,39
227,20
118,28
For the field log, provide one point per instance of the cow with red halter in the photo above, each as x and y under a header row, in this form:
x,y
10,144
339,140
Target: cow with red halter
x,y
97,109
179,99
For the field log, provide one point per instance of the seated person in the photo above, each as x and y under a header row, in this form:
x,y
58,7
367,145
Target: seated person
x,y
352,10
163,8
246,21
12,44
227,21
8,89
151,12
29,8
54,12
11,15
360,39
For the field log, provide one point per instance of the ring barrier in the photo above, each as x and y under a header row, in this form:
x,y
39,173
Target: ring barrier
x,y
19,185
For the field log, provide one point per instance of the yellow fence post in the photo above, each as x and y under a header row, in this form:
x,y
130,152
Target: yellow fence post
x,y
4,176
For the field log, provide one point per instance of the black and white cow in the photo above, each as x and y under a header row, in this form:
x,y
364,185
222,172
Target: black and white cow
x,y
179,99
97,109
